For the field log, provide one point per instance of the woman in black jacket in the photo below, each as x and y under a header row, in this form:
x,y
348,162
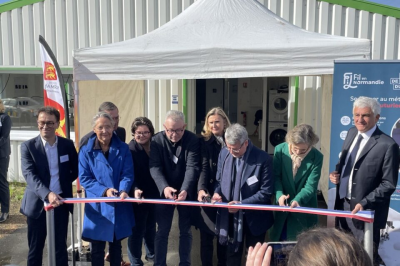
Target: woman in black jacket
x,y
144,187
212,143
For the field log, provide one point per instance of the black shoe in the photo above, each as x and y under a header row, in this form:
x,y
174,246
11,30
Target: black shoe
x,y
150,259
3,217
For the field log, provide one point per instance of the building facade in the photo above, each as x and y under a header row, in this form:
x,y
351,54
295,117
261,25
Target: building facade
x,y
68,25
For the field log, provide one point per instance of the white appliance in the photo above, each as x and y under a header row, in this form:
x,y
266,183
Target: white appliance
x,y
276,135
278,106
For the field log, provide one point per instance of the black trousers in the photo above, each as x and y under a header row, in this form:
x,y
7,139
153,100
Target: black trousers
x,y
37,233
235,258
207,249
4,186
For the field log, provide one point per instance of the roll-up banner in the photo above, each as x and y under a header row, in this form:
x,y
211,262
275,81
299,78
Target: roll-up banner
x,y
379,80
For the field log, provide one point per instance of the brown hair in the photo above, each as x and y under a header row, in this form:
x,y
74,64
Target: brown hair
x,y
50,111
328,247
206,132
142,121
302,133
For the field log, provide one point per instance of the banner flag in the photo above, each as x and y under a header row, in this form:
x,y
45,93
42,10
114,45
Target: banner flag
x,y
54,92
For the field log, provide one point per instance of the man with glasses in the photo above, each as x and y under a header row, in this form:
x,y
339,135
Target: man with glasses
x,y
244,176
112,110
174,166
49,165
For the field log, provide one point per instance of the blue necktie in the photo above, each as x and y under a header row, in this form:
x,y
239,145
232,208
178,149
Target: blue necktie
x,y
344,182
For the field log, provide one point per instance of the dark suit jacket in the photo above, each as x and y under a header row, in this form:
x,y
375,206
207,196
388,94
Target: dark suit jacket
x,y
143,179
258,164
5,128
184,174
375,175
209,162
121,133
35,169
204,218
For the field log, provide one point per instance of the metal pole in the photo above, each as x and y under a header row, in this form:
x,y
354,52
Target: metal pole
x,y
368,239
72,239
78,187
51,248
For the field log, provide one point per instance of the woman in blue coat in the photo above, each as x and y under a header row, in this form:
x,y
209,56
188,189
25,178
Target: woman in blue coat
x,y
106,170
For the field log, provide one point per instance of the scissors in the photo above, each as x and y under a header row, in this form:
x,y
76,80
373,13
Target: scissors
x,y
206,199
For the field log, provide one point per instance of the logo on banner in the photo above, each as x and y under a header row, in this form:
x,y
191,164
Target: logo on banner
x,y
345,120
348,80
343,134
49,71
351,81
395,82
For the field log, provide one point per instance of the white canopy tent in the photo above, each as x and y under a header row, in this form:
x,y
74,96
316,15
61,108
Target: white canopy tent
x,y
219,39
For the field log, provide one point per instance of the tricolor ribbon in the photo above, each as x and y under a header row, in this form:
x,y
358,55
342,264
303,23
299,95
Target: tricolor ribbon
x,y
366,216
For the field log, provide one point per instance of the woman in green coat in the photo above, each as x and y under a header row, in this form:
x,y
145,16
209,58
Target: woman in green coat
x,y
297,169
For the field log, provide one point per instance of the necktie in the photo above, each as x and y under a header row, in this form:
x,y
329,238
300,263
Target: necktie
x,y
238,162
344,182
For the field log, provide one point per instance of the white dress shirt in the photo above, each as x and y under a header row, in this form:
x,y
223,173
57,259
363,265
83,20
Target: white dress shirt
x,y
366,136
52,159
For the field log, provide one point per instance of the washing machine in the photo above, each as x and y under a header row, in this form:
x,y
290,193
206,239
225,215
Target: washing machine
x,y
278,106
276,135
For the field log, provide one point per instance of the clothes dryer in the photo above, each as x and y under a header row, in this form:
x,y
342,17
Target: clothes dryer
x,y
276,135
278,106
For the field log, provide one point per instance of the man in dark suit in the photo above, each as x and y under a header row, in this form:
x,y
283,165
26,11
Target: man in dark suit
x,y
175,167
367,172
5,151
112,110
49,164
244,176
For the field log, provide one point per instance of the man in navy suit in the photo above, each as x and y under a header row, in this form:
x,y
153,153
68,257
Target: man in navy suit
x,y
245,176
367,172
49,164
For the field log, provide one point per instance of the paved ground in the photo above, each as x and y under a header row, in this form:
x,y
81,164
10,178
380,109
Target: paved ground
x,y
14,248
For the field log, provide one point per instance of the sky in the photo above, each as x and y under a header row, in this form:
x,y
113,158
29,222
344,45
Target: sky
x,y
395,3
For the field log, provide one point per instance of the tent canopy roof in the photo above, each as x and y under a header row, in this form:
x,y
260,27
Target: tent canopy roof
x,y
219,39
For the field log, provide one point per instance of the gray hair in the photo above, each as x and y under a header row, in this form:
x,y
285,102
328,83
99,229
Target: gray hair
x,y
302,133
107,106
100,115
364,102
175,116
235,133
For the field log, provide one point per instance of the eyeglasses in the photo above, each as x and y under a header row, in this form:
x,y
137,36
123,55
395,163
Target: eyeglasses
x,y
49,124
177,131
235,151
144,133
